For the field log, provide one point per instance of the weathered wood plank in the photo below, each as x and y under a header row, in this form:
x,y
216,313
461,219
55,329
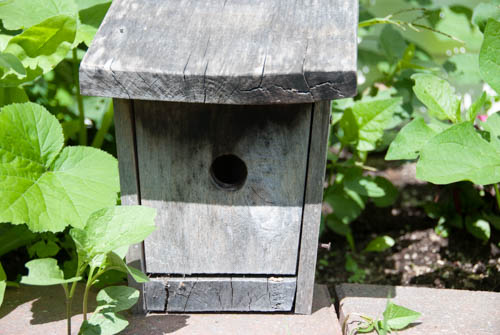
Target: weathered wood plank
x,y
155,296
129,187
225,52
202,228
312,207
223,294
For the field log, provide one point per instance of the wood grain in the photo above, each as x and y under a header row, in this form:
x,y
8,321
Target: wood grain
x,y
225,52
202,228
222,294
312,207
129,182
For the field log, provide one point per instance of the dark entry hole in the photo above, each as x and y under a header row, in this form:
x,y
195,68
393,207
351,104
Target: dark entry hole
x,y
229,172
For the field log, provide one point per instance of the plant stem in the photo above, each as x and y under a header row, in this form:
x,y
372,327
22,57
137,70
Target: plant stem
x,y
79,99
68,314
497,194
86,293
107,121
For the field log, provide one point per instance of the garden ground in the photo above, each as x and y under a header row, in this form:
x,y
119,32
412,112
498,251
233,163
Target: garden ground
x,y
420,256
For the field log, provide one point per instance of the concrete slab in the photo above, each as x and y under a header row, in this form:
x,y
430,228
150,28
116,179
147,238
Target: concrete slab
x,y
36,310
444,311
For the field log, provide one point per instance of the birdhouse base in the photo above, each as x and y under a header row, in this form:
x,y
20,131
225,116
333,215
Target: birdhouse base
x,y
322,320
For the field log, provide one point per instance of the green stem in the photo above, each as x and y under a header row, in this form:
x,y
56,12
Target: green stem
x,y
79,99
68,315
107,121
86,293
497,194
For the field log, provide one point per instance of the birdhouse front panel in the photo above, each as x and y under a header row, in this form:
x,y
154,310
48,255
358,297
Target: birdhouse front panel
x,y
228,182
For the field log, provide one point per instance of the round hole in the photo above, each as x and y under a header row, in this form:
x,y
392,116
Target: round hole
x,y
229,172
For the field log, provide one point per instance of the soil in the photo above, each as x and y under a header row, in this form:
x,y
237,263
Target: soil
x,y
420,257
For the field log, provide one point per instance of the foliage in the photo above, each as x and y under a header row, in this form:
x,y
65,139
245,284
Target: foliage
x,y
395,317
51,188
3,283
110,300
456,144
46,186
100,246
360,127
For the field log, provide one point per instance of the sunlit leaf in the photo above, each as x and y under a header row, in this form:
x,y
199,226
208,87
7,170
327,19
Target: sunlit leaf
x,y
45,272
42,186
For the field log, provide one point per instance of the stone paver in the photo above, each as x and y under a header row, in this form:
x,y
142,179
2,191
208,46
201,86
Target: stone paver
x,y
40,310
445,311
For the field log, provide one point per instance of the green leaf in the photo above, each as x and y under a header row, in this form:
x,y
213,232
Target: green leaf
x,y
3,286
22,14
410,139
45,272
103,324
341,228
399,317
117,263
363,185
390,193
40,48
392,43
478,228
111,228
459,153
3,283
3,275
365,122
463,69
438,96
110,300
494,220
13,237
489,56
380,244
116,299
476,107
492,124
346,205
483,12
42,186
10,63
10,95
43,249
91,17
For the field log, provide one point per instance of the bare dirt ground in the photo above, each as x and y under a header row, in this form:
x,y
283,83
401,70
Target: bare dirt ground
x,y
420,257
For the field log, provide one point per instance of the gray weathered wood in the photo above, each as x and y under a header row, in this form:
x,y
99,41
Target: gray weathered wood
x,y
129,189
155,296
224,51
202,228
312,207
222,294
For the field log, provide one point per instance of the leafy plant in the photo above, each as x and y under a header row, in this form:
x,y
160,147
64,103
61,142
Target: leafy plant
x,y
101,246
452,144
49,188
4,283
35,39
44,185
395,317
360,127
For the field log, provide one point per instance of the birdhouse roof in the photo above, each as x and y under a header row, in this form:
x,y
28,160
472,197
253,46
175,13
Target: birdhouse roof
x,y
224,51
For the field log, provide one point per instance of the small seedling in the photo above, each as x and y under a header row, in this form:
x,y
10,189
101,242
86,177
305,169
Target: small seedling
x,y
395,317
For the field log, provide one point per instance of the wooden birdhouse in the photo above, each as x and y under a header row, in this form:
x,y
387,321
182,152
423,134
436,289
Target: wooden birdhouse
x,y
222,112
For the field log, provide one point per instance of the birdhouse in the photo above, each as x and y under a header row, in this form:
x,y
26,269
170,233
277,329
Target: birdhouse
x,y
222,113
